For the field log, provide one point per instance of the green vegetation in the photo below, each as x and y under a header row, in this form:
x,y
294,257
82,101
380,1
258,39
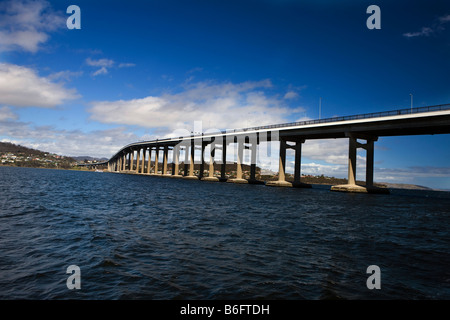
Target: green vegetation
x,y
20,156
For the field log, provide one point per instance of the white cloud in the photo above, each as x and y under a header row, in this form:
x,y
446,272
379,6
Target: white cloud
x,y
7,114
439,25
99,62
126,65
105,64
25,25
222,106
22,87
102,70
425,31
66,75
100,143
291,95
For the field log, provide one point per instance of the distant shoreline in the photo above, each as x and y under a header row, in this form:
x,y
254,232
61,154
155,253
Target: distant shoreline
x,y
310,180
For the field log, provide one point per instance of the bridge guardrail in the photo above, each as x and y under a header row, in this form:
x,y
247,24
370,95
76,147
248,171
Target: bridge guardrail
x,y
380,114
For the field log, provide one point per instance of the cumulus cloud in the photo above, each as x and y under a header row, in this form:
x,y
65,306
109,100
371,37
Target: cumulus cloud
x,y
23,87
25,25
99,143
217,105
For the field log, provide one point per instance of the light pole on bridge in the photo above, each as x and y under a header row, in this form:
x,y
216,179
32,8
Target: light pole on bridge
x,y
411,101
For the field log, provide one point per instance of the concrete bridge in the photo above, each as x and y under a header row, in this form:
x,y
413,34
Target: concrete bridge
x,y
362,131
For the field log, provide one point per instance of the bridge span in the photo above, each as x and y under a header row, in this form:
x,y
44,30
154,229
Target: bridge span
x,y
362,131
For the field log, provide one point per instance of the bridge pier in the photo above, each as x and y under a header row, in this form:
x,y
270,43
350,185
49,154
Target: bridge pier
x,y
281,182
223,176
176,162
239,160
212,154
155,168
138,156
143,160
165,157
351,186
190,155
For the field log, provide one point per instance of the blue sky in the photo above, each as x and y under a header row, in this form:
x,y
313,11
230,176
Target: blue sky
x,y
138,70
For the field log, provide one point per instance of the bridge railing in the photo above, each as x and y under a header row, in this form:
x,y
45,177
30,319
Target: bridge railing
x,y
381,114
353,117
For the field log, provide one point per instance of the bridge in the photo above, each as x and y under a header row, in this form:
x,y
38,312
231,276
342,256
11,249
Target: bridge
x,y
362,131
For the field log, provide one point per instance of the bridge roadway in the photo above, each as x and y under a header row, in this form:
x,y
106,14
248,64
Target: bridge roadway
x,y
364,127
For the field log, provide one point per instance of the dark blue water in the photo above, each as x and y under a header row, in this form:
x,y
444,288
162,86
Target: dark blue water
x,y
141,237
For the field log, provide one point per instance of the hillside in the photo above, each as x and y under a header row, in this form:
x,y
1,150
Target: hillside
x,y
7,147
20,156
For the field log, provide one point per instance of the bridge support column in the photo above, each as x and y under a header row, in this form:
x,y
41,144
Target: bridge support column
x,y
155,172
143,160
253,157
165,156
223,176
282,168
190,154
352,186
202,161
369,163
138,158
131,160
298,165
176,161
124,162
149,160
239,161
212,153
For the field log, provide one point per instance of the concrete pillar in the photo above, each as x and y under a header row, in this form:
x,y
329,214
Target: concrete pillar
x,y
369,163
282,161
143,160
176,161
149,160
224,161
239,161
352,161
190,157
165,154
138,156
298,165
281,168
212,153
211,160
186,160
351,186
240,155
202,161
132,160
156,160
124,162
253,149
